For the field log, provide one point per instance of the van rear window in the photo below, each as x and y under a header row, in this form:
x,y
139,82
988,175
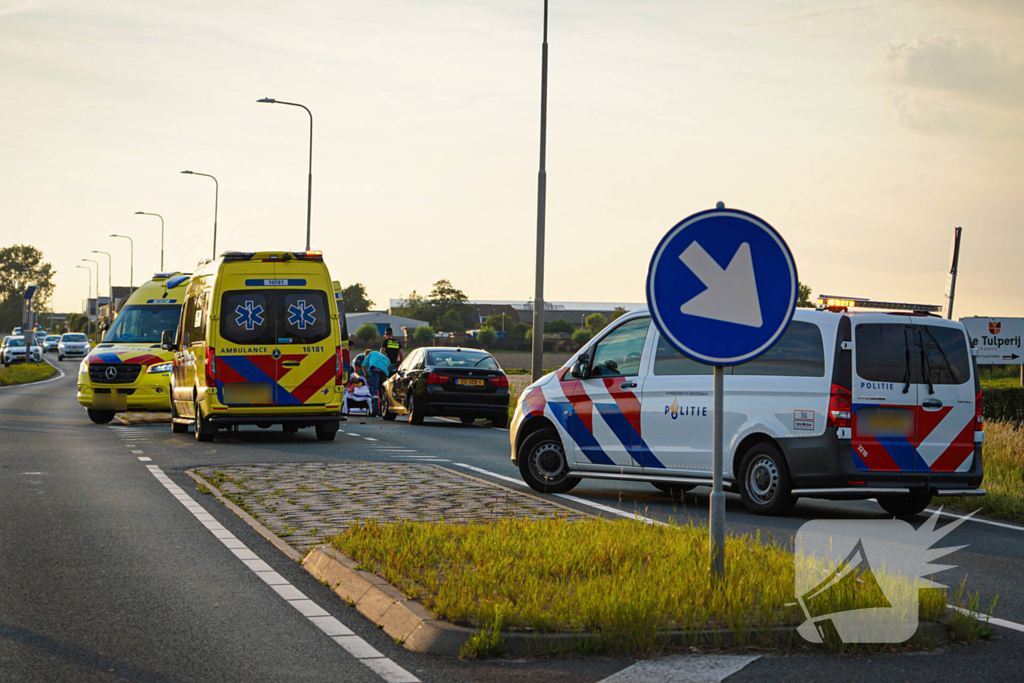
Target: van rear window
x,y
883,354
274,316
798,353
893,352
943,354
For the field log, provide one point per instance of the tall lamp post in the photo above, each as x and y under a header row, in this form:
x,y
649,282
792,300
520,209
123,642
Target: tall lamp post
x,y
110,284
144,213
131,270
97,292
538,296
216,201
88,320
309,187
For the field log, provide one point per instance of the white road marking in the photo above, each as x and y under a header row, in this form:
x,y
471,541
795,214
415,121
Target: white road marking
x,y
683,669
351,433
369,438
317,615
143,458
136,452
1001,525
1012,625
566,496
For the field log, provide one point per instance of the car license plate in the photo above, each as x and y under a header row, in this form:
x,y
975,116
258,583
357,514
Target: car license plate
x,y
247,392
470,382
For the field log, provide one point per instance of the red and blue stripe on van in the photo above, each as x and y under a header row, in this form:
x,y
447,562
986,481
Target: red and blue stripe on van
x,y
900,454
264,369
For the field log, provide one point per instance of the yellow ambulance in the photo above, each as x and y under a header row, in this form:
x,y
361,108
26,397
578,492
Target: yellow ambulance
x,y
128,370
258,343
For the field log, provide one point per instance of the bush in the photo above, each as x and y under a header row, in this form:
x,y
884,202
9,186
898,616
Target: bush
x,y
486,337
595,323
424,334
451,322
582,336
1005,405
367,333
558,327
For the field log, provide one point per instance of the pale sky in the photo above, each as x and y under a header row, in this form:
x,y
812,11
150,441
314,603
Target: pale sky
x,y
862,131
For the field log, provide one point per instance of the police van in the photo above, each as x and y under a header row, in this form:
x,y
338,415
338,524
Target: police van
x,y
846,405
128,370
258,343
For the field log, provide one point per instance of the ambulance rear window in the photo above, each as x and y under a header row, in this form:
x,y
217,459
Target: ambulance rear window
x,y
274,316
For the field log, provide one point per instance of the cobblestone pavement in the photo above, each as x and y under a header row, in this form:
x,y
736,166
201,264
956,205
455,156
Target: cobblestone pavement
x,y
307,502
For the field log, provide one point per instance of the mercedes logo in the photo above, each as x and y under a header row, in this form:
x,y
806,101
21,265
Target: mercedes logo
x,y
275,354
111,373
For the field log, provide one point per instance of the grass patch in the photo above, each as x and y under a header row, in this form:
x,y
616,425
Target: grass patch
x,y
24,373
1001,383
965,628
1003,458
625,580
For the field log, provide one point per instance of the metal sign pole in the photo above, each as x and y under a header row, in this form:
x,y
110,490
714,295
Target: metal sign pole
x,y
717,512
954,260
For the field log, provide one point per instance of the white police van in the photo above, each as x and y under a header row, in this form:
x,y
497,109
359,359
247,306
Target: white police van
x,y
847,405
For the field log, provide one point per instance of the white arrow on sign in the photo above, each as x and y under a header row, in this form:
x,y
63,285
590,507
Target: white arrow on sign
x,y
731,294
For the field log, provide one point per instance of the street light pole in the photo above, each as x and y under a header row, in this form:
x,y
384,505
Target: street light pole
x,y
216,201
144,213
97,292
88,320
538,296
131,270
309,187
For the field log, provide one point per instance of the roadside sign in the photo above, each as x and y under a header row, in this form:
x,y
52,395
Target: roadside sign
x,y
722,286
29,293
998,340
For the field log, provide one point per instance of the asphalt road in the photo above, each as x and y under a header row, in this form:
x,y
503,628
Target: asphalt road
x,y
108,576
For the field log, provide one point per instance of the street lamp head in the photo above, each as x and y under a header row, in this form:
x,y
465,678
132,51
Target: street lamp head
x,y
267,100
139,213
117,235
189,172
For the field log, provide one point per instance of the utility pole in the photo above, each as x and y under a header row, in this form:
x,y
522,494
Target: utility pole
x,y
538,297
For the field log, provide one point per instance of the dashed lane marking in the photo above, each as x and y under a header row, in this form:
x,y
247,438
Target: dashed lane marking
x,y
317,615
136,452
683,669
369,438
143,458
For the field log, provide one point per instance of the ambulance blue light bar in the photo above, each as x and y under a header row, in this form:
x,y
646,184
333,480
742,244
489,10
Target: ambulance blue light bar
x,y
829,301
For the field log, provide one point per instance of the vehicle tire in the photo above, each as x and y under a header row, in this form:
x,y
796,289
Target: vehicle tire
x,y
764,481
415,416
385,409
500,422
290,428
326,431
204,430
60,357
675,490
176,427
467,420
543,463
101,417
905,506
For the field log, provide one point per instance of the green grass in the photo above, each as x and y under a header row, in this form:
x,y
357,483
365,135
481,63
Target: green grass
x,y
1003,459
1001,383
625,580
23,373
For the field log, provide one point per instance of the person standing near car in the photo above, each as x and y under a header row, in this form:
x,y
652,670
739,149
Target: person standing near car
x,y
376,365
392,348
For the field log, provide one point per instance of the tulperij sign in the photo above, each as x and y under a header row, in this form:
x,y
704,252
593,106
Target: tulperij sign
x,y
998,340
883,562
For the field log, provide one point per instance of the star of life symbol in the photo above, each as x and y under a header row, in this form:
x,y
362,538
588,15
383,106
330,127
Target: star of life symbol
x,y
301,314
874,568
249,316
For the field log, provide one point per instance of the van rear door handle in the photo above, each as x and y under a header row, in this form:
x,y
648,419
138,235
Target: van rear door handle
x,y
932,403
291,363
628,385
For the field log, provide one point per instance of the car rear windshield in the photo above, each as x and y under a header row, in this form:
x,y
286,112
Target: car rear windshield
x,y
461,359
894,352
274,316
798,353
142,324
73,338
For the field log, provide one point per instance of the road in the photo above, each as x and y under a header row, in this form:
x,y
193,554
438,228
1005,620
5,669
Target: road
x,y
111,572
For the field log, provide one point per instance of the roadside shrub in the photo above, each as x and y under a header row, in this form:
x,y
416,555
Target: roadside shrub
x,y
451,322
367,333
424,334
581,336
486,337
595,323
1005,405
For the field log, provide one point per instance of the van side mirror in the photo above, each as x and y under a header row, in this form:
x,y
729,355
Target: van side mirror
x,y
581,368
167,341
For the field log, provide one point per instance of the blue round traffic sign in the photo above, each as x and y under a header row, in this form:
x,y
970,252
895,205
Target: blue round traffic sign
x,y
722,286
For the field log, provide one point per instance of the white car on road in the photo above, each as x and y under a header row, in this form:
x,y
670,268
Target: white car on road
x,y
73,345
14,352
51,342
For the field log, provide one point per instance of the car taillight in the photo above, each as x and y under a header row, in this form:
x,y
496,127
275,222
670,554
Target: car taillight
x,y
434,378
211,367
500,382
839,407
979,421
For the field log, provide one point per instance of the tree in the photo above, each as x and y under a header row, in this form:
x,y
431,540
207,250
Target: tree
x,y
443,298
595,323
424,334
355,299
582,336
20,266
618,312
451,322
558,327
487,337
77,322
803,298
500,322
517,331
367,333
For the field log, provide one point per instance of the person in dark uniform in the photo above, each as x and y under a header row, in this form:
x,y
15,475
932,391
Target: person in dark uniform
x,y
392,348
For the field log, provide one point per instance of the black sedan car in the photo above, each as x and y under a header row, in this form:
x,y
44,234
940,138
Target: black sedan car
x,y
448,382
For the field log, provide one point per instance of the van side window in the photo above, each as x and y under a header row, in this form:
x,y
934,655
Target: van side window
x,y
798,353
187,316
668,361
202,308
618,354
943,355
883,352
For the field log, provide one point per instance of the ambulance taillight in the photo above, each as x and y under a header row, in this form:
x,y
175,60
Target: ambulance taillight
x,y
211,367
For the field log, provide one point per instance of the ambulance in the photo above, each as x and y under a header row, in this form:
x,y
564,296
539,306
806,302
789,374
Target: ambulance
x,y
128,370
847,405
258,343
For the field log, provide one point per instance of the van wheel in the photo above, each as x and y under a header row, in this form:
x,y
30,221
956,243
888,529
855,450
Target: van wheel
x,y
905,506
177,427
415,416
543,465
101,417
204,430
675,490
326,431
290,428
500,421
764,481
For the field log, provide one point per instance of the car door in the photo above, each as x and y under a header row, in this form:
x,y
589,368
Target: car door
x,y
946,398
885,395
607,401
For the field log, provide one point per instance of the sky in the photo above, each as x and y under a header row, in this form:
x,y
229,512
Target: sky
x,y
864,132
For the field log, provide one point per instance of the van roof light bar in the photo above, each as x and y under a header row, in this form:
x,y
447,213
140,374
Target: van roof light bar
x,y
237,255
832,302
